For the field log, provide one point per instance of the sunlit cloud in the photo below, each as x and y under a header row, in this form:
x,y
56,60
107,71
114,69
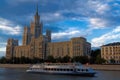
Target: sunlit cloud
x,y
8,27
48,17
2,48
97,23
69,33
111,36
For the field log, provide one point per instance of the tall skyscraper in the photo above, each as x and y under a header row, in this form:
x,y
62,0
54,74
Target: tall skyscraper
x,y
37,45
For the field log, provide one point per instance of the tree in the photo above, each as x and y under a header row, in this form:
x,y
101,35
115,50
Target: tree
x,y
50,59
2,60
66,59
37,60
112,61
22,60
96,57
99,60
59,59
76,59
94,54
81,59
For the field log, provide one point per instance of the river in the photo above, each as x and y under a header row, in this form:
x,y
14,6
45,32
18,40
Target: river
x,y
20,74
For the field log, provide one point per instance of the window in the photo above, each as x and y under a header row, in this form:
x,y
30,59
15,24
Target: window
x,y
67,69
78,69
71,69
82,69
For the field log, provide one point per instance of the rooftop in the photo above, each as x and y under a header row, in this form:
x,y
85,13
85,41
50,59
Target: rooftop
x,y
112,44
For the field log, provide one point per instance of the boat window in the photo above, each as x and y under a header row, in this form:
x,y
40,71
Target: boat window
x,y
57,69
86,69
61,69
51,68
78,69
48,68
67,69
64,69
71,69
54,69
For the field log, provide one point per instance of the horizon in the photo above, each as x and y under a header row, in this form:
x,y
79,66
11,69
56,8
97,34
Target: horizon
x,y
96,20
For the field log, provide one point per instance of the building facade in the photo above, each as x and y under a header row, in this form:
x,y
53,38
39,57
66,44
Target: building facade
x,y
75,47
37,45
111,52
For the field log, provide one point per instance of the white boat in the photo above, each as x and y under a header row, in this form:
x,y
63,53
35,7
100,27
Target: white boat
x,y
62,68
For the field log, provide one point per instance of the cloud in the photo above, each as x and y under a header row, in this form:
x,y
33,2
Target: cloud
x,y
50,17
98,13
9,28
17,2
99,6
97,23
2,53
25,0
67,34
2,48
114,35
102,8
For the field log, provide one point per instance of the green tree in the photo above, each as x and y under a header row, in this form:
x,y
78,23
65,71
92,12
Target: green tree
x,y
66,59
94,54
50,59
99,60
22,60
17,60
59,59
37,60
81,59
3,60
112,61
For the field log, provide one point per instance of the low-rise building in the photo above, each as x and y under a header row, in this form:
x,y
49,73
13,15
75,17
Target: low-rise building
x,y
75,47
111,52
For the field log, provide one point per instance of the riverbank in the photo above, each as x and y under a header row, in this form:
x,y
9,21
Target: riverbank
x,y
105,67
14,65
96,67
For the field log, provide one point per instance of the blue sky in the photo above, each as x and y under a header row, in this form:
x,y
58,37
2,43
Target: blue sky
x,y
96,20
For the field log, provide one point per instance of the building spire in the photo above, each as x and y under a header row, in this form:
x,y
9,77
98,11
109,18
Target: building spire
x,y
37,17
37,9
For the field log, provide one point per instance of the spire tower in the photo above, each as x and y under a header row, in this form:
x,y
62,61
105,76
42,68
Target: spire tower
x,y
37,24
37,9
37,17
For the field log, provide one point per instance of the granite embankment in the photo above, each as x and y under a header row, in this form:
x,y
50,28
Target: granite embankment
x,y
96,67
105,67
14,65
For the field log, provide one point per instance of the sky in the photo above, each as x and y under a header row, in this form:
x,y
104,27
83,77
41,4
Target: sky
x,y
96,20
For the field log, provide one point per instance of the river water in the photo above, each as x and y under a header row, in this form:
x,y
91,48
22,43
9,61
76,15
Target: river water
x,y
20,74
